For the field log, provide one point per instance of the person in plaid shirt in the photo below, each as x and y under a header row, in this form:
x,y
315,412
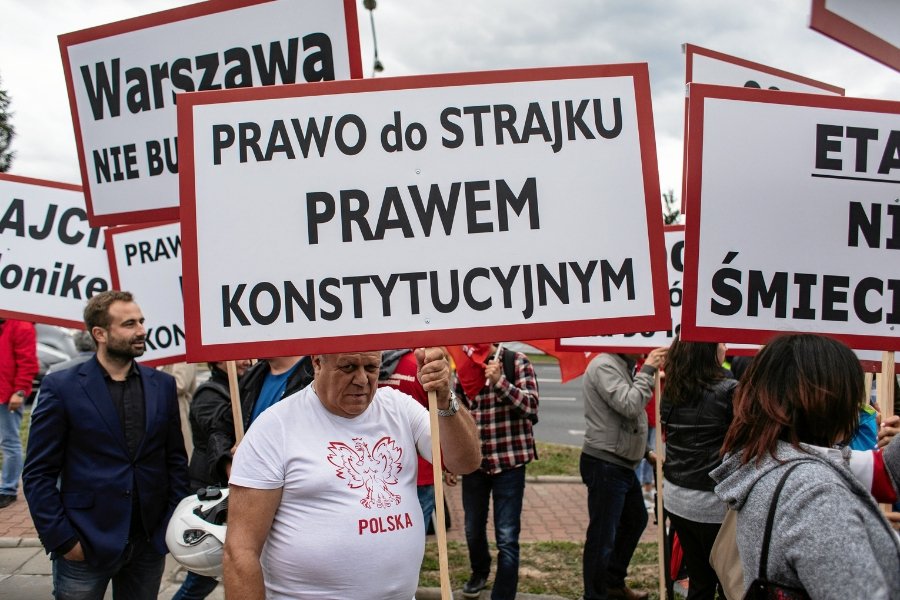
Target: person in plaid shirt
x,y
505,409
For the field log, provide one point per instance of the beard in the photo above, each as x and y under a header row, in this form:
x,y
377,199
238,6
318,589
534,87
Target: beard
x,y
125,349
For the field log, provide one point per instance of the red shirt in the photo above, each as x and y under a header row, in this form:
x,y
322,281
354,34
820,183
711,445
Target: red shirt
x,y
405,378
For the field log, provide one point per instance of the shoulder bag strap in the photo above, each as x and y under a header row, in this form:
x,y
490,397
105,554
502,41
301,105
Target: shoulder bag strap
x,y
770,520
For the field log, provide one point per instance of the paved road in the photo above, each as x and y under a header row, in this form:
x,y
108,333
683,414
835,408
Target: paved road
x,y
561,414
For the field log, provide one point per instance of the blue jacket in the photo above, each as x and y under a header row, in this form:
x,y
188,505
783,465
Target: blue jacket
x,y
76,439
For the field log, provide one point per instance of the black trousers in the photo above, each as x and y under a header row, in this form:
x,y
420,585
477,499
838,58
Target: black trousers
x,y
696,542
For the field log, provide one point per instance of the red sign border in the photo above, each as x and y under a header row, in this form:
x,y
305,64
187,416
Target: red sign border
x,y
853,36
197,351
165,17
700,93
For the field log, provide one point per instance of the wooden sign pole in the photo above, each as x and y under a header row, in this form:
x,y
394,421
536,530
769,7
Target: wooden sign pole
x,y
439,525
236,412
884,395
885,390
661,530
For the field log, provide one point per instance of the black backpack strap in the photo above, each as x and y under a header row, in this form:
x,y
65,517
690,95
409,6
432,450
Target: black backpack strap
x,y
509,365
509,371
770,520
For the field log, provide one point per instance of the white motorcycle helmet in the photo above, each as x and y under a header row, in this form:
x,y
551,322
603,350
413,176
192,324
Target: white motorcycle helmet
x,y
196,533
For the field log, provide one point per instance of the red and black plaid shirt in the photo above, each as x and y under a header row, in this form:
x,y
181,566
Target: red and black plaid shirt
x,y
502,413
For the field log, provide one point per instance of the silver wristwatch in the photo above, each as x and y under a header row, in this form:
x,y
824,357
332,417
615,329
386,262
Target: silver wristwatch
x,y
452,410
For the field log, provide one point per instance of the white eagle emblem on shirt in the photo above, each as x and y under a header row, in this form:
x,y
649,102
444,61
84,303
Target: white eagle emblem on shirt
x,y
375,470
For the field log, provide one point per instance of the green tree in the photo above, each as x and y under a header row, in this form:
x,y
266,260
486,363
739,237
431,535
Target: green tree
x,y
670,213
7,132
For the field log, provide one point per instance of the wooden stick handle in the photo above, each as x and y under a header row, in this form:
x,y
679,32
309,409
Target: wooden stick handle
x,y
440,528
236,412
886,398
885,394
661,530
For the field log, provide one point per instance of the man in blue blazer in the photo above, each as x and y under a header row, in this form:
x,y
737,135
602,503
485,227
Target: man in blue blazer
x,y
106,465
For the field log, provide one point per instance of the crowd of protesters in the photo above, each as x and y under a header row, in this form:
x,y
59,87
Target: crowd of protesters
x,y
338,451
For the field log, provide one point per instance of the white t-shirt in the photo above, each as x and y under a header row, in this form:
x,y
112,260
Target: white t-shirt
x,y
349,524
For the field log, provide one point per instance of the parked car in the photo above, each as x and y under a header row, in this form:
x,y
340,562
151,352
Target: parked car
x,y
54,345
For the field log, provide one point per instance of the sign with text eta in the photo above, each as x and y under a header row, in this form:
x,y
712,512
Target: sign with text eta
x,y
867,26
123,77
51,260
644,341
797,223
708,66
411,211
146,261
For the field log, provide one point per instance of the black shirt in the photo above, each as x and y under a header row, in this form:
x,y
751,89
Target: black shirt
x,y
128,398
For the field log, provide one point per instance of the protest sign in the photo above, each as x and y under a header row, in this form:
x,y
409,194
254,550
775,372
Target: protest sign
x,y
644,341
122,80
51,260
708,66
867,26
797,223
411,211
146,261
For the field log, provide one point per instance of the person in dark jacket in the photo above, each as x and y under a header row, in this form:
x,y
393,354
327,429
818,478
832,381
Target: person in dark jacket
x,y
211,401
264,384
696,411
106,466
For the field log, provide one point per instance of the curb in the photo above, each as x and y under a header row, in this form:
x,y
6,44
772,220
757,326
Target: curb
x,y
20,542
435,594
553,479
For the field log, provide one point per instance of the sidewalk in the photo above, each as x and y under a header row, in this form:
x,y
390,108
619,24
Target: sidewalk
x,y
555,509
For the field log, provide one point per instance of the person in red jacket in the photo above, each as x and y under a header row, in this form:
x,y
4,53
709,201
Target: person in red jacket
x,y
18,366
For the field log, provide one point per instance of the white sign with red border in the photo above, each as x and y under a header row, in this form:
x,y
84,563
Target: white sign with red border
x,y
51,260
797,223
646,340
867,26
146,261
410,211
122,79
703,65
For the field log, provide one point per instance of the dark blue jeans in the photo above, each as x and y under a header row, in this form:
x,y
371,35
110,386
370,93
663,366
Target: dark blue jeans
x,y
136,575
507,489
195,587
617,518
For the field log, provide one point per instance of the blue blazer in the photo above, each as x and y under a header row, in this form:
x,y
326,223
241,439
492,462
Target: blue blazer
x,y
78,477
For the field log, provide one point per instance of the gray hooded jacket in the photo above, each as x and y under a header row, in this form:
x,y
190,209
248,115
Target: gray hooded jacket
x,y
829,537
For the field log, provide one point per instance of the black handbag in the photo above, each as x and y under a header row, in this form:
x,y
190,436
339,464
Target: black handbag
x,y
761,588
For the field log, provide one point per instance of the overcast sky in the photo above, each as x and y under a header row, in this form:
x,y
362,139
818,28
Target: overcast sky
x,y
426,36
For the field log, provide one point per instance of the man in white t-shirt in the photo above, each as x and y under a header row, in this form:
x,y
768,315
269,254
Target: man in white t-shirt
x,y
323,500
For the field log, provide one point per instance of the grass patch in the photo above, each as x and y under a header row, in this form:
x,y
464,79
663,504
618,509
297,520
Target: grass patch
x,y
552,568
555,459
